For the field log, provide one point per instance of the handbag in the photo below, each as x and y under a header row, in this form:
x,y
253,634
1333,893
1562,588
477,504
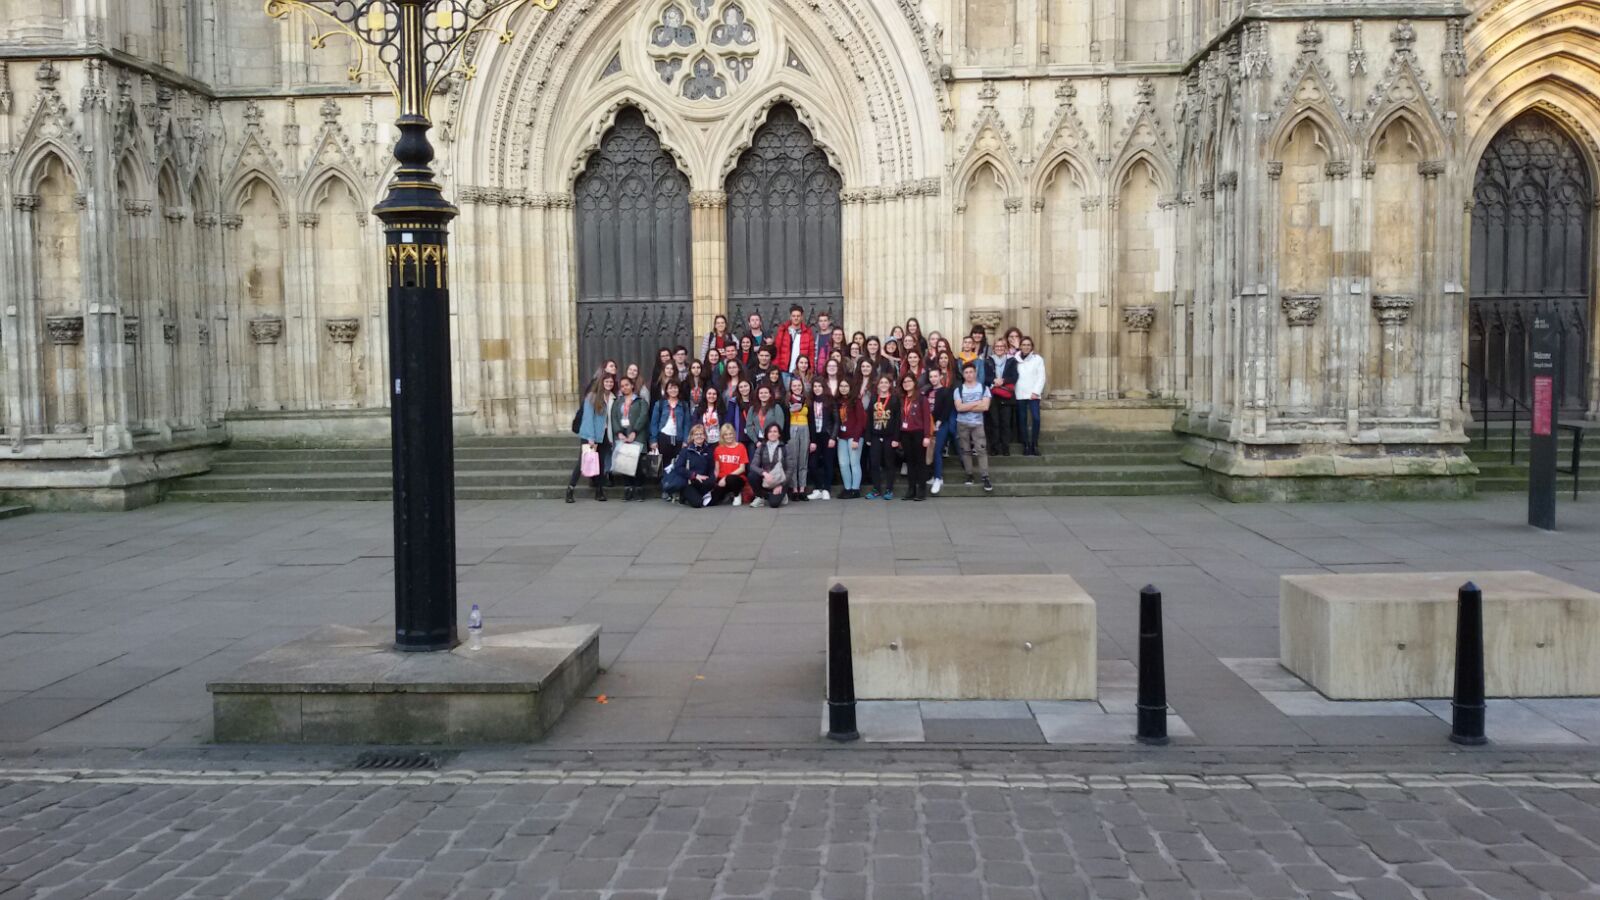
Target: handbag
x,y
590,466
625,458
1004,391
650,466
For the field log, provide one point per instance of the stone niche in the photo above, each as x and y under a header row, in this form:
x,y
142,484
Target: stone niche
x,y
1393,636
1020,637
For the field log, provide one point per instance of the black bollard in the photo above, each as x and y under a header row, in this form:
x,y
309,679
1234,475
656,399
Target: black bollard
x,y
1467,707
841,673
1152,670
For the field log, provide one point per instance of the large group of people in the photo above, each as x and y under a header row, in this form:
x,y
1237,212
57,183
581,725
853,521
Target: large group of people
x,y
807,411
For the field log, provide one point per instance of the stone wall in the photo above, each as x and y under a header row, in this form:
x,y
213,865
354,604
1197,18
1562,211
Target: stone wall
x,y
1250,220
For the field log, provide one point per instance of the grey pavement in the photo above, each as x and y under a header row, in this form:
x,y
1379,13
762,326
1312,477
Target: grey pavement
x,y
904,827
111,624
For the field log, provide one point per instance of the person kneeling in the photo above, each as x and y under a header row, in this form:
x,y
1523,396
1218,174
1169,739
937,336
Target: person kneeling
x,y
769,469
690,475
731,459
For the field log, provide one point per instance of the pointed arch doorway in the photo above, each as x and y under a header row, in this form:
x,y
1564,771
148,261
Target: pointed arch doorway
x,y
634,286
1531,245
785,230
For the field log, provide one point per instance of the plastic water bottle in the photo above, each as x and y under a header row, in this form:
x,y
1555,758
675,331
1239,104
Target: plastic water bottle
x,y
475,628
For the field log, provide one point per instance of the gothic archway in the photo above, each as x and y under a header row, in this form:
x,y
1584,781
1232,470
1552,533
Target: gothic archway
x,y
785,233
1531,242
632,214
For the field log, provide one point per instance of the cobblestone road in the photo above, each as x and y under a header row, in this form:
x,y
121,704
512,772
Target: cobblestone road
x,y
886,832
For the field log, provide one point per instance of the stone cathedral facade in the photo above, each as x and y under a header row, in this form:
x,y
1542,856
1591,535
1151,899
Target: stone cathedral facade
x,y
1286,229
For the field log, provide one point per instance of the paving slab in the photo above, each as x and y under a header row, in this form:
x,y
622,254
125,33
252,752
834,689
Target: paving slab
x,y
714,605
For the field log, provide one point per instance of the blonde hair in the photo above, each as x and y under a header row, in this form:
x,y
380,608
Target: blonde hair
x,y
697,427
727,433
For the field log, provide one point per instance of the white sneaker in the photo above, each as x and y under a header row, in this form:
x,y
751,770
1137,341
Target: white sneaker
x,y
937,484
705,501
814,495
827,495
738,501
757,502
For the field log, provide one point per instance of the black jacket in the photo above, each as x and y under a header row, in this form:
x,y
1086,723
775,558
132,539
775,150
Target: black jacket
x,y
826,426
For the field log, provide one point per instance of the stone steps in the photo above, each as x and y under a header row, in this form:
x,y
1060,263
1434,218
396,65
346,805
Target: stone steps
x,y
227,464
1498,474
1054,489
1075,463
7,512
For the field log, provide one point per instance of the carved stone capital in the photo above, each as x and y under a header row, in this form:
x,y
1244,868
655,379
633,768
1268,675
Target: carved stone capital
x,y
1275,169
232,221
1337,168
989,318
266,330
130,329
138,208
64,331
310,220
202,333
1228,181
206,220
174,214
169,332
342,331
25,202
1061,321
708,199
1431,168
1301,309
1393,309
1139,319
1012,204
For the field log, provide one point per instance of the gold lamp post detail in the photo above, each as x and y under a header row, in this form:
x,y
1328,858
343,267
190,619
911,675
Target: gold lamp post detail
x,y
414,44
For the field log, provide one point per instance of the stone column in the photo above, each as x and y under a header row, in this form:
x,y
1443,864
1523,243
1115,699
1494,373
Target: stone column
x,y
708,223
130,341
1300,311
1138,320
174,386
1062,323
207,413
66,333
265,333
343,332
1393,312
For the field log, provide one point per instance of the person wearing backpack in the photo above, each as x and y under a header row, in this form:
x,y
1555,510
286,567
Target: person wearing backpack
x,y
971,401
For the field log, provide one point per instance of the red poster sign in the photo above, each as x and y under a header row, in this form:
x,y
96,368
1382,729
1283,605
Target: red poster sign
x,y
1543,404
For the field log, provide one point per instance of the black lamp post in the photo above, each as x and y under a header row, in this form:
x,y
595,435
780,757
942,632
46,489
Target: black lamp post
x,y
415,42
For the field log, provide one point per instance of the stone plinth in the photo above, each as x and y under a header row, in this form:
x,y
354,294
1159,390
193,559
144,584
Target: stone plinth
x,y
347,685
1393,636
1022,637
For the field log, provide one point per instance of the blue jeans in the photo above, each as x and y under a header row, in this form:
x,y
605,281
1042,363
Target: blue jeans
x,y
850,464
1028,423
945,435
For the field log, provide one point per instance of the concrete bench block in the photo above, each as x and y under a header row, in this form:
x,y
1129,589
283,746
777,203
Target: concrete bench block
x,y
968,638
1393,636
344,685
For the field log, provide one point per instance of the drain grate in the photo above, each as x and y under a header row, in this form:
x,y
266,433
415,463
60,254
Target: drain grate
x,y
397,761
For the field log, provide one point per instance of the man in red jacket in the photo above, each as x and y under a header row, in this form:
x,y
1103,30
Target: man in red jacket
x,y
795,340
